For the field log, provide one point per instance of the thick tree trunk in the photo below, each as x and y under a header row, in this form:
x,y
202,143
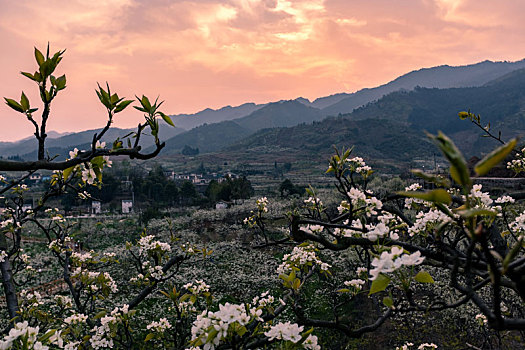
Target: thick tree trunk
x,y
9,288
7,281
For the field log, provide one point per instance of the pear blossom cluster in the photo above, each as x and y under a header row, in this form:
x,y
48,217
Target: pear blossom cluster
x,y
355,283
95,280
60,246
88,171
313,228
481,319
30,299
262,207
210,328
9,223
76,319
480,199
427,220
413,203
291,332
148,246
159,326
153,271
517,165
3,255
262,204
504,200
301,256
102,335
518,225
63,301
313,202
197,287
82,257
358,165
370,231
394,260
22,334
264,299
359,200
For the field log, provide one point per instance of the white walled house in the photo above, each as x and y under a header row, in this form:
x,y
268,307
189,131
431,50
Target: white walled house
x,y
96,207
127,206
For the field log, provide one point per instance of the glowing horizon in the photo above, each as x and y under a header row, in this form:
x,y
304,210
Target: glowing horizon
x,y
199,54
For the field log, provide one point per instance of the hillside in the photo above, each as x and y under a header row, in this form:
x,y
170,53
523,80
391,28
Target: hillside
x,y
436,77
439,77
280,114
392,129
379,140
500,102
207,138
209,116
214,137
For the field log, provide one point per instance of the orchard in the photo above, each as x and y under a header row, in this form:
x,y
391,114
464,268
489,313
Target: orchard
x,y
346,263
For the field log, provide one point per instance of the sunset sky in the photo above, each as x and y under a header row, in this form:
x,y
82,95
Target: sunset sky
x,y
206,53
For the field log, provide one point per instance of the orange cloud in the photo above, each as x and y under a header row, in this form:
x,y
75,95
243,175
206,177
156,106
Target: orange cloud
x,y
208,53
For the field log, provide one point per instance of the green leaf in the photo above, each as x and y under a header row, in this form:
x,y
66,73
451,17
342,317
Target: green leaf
x,y
114,99
48,335
388,302
463,115
67,172
14,105
39,57
98,161
435,196
494,157
242,331
379,284
167,119
211,335
458,167
149,337
140,109
423,277
343,290
100,314
145,103
29,75
468,213
24,101
122,105
61,82
296,284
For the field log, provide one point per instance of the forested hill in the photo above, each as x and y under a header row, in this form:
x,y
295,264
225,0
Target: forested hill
x,y
393,127
436,77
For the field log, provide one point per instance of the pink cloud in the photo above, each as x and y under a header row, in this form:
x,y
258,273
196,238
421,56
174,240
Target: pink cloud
x,y
199,54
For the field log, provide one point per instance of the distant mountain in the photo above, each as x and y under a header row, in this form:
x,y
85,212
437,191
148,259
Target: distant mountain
x,y
209,116
391,130
500,102
278,114
382,141
61,145
207,138
436,77
323,102
439,77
